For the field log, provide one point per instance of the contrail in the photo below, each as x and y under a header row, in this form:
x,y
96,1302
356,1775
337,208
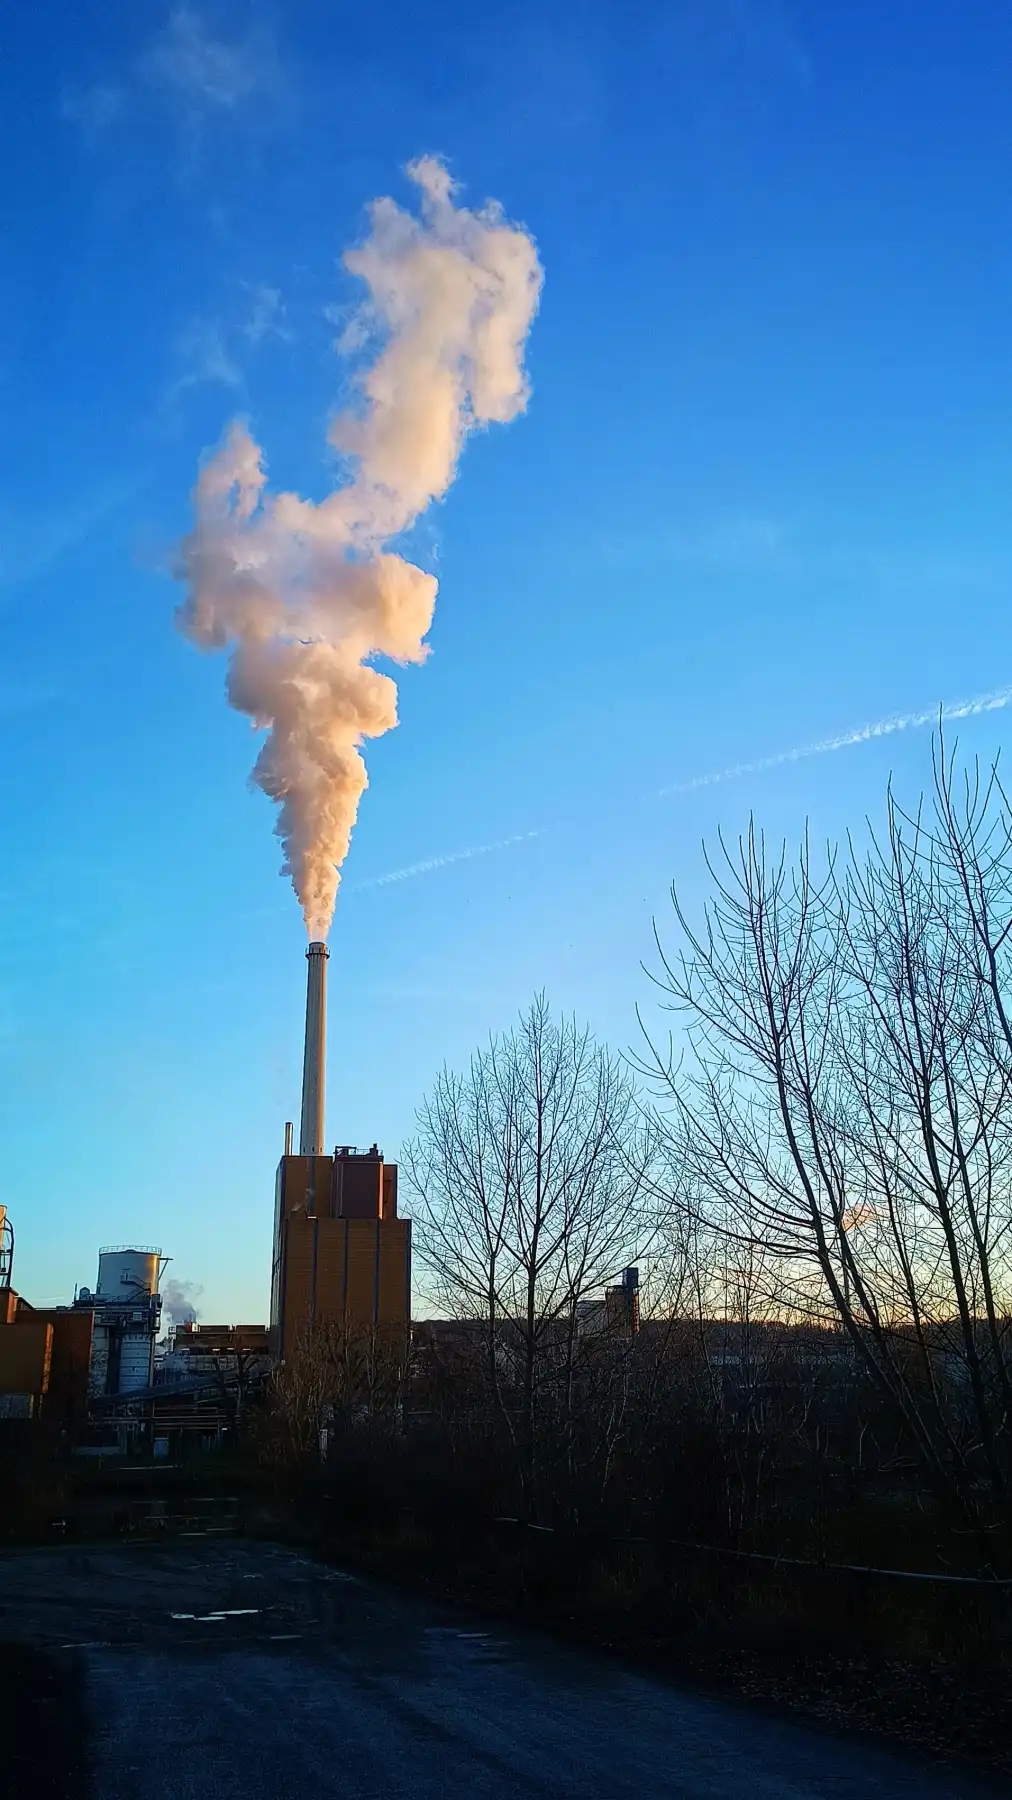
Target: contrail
x,y
454,856
846,740
995,701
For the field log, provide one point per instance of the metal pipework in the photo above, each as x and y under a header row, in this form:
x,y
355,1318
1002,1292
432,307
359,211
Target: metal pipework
x,y
311,1138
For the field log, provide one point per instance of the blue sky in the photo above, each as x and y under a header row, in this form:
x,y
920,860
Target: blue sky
x,y
760,497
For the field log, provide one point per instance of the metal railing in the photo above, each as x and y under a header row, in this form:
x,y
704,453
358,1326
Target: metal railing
x,y
768,1556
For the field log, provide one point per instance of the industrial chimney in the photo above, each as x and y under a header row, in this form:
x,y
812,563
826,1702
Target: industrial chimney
x,y
314,1064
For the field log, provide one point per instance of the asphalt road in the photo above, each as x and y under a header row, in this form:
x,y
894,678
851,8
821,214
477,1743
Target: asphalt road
x,y
229,1670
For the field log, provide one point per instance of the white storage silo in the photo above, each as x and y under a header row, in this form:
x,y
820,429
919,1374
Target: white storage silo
x,y
126,1272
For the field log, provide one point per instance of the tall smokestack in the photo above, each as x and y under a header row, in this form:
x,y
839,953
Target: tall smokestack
x,y
314,1062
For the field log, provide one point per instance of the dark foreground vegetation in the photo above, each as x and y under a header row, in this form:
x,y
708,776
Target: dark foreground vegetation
x,y
664,1562
923,1663
735,1538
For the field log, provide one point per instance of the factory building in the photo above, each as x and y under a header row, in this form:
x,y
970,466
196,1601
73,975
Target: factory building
x,y
200,1347
341,1253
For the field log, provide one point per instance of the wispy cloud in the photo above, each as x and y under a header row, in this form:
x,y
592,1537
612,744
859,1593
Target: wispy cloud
x,y
93,109
204,359
197,71
746,544
267,315
765,31
209,352
948,712
208,72
436,993
760,545
31,545
25,695
728,52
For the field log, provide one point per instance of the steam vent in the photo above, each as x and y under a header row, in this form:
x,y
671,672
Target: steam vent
x,y
340,1251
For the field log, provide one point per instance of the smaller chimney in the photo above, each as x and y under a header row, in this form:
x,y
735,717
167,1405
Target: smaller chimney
x,y
314,1062
289,1129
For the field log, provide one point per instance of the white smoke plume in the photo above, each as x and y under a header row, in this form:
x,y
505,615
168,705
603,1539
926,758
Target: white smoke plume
x,y
179,1301
305,595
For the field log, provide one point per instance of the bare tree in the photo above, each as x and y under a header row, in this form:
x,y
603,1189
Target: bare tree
x,y
528,1178
843,1102
336,1375
238,1374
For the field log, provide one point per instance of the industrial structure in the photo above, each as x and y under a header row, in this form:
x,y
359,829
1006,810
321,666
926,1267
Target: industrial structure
x,y
314,1060
56,1360
127,1308
341,1254
87,1376
616,1314
45,1356
195,1349
6,1248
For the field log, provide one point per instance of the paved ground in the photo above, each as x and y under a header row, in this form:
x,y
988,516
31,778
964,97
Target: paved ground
x,y
229,1670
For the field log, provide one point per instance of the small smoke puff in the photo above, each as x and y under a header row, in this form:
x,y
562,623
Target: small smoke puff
x,y
179,1301
305,594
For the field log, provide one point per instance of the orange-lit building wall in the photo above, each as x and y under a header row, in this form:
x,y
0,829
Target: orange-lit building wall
x,y
65,1402
25,1357
49,1350
340,1251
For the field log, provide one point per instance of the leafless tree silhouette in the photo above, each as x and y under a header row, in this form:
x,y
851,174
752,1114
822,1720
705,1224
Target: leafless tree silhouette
x,y
530,1178
840,1103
